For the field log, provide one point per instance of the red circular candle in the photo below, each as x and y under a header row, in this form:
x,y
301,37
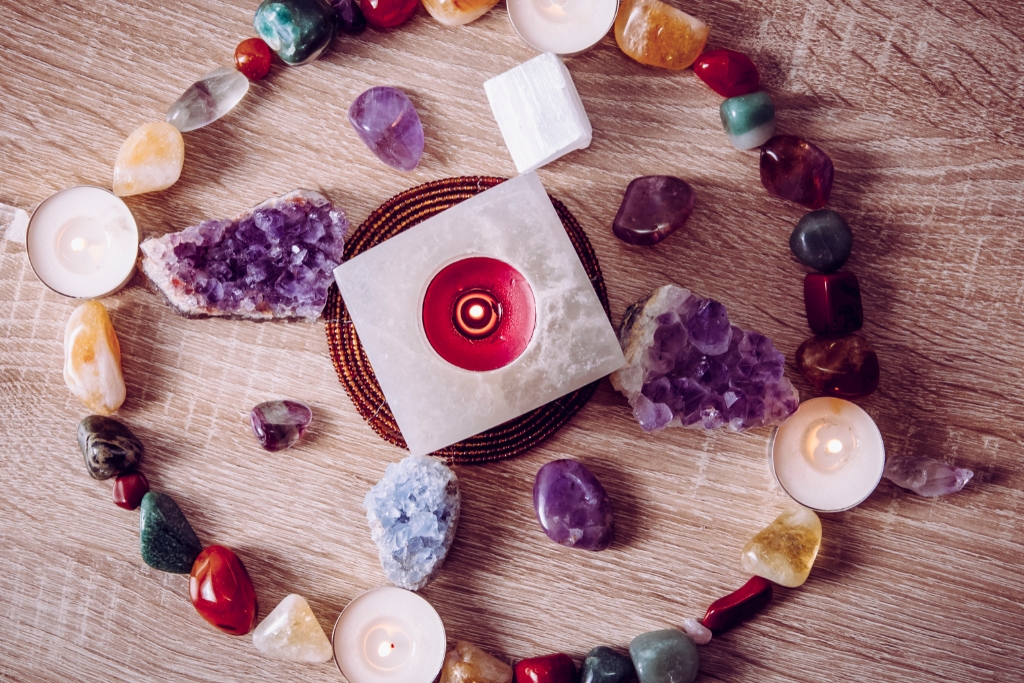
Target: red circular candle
x,y
479,313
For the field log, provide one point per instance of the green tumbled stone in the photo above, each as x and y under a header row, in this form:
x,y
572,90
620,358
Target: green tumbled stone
x,y
297,30
667,656
108,446
167,540
605,665
822,240
748,120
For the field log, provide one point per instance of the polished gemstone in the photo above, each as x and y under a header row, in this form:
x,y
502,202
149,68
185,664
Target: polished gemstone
x,y
796,170
926,476
274,261
698,632
388,124
467,663
832,302
653,207
292,633
822,240
458,12
166,539
150,159
841,366
556,668
279,424
388,13
413,512
784,551
605,665
109,447
222,591
657,34
297,30
350,18
252,58
572,506
667,656
208,99
129,489
727,72
92,359
748,120
738,606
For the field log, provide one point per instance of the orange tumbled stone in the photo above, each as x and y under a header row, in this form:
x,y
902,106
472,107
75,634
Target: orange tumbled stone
x,y
657,34
92,359
252,58
222,591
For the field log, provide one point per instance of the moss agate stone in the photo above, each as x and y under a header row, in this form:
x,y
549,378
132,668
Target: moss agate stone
x,y
666,656
605,665
748,120
108,446
822,240
166,540
297,30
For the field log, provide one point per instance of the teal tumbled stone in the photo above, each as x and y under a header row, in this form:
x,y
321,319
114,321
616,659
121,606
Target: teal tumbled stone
x,y
605,665
167,540
297,30
748,120
667,656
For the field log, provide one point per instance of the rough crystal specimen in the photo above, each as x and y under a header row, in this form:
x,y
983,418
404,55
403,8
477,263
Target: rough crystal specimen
x,y
297,30
845,366
92,359
13,223
572,506
280,424
748,120
727,72
166,540
738,606
822,240
687,366
271,262
666,656
208,99
697,631
129,490
388,124
292,633
109,447
252,58
150,159
388,13
833,303
458,12
653,207
657,34
469,664
784,551
350,18
556,668
413,512
926,476
605,665
222,591
796,170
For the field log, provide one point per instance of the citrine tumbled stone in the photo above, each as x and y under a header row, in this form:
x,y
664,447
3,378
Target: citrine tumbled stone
x,y
833,303
222,591
727,72
388,13
252,58
842,366
738,606
796,170
556,668
129,490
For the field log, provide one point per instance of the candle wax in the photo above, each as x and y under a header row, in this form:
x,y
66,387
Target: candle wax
x,y
564,27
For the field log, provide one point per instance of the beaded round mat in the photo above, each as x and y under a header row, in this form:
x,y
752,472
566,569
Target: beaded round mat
x,y
400,213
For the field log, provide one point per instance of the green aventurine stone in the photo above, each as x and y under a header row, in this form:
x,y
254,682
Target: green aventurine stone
x,y
744,113
605,665
167,541
667,656
297,30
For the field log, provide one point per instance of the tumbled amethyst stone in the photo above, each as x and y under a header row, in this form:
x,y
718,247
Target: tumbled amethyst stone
x,y
652,208
350,18
279,424
388,124
572,506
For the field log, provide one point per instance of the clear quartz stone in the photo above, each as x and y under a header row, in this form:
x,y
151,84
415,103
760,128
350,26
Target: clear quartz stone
x,y
292,633
208,99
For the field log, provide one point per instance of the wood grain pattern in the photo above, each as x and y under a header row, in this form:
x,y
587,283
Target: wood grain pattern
x,y
917,102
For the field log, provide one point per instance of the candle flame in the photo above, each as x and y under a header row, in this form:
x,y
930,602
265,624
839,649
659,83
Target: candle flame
x,y
476,311
834,446
79,243
385,649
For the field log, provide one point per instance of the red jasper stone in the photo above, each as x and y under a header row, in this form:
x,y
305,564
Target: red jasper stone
x,y
388,13
252,58
796,170
727,72
833,303
557,668
738,606
129,489
222,591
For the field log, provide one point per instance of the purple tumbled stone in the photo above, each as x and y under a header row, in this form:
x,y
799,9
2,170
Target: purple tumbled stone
x,y
388,124
926,476
350,18
572,506
279,424
652,208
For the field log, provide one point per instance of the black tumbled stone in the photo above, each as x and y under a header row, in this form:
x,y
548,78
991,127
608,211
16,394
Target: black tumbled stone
x,y
108,446
822,240
605,665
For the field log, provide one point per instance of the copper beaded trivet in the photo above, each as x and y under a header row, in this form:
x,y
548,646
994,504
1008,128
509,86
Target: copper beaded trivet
x,y
400,213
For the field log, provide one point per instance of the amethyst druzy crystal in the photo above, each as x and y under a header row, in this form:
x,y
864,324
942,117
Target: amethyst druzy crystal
x,y
271,262
388,124
687,366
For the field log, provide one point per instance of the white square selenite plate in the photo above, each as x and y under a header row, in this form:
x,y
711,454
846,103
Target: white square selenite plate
x,y
434,402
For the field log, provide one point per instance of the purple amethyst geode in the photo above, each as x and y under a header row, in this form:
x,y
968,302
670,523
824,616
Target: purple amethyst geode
x,y
687,366
274,261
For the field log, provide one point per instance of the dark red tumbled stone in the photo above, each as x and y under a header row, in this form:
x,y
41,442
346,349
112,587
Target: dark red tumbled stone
x,y
557,668
222,591
833,303
796,170
727,72
738,606
129,489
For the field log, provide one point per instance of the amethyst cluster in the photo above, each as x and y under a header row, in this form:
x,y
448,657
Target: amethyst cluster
x,y
686,365
274,261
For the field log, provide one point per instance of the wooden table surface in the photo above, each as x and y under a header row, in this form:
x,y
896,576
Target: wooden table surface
x,y
916,101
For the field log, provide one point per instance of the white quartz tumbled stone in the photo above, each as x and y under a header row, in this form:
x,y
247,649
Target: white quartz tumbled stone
x,y
539,112
434,402
292,633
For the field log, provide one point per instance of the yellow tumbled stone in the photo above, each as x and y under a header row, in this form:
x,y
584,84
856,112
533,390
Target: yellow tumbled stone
x,y
784,551
657,34
292,633
92,359
149,160
469,664
458,12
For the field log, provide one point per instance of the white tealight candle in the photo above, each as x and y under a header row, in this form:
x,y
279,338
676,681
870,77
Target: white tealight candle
x,y
389,635
564,27
828,455
83,242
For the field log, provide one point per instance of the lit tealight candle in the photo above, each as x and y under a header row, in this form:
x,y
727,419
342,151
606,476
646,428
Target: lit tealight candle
x,y
564,27
828,455
389,635
83,242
